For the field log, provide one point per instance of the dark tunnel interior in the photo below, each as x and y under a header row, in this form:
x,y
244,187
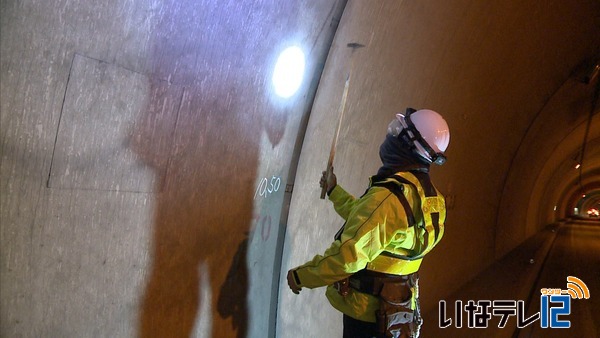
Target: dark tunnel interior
x,y
160,159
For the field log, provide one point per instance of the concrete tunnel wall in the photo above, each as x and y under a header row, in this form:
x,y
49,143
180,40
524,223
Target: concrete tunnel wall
x,y
145,160
142,143
543,154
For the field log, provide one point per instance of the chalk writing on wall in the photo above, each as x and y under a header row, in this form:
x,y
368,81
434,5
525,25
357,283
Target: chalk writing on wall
x,y
266,187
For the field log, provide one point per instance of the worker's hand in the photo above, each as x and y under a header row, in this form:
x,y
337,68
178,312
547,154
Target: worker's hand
x,y
292,282
329,181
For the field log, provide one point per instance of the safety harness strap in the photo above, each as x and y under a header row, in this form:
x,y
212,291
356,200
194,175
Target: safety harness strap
x,y
398,190
430,204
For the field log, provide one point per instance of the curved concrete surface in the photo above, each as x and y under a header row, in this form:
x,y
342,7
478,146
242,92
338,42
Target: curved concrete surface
x,y
152,183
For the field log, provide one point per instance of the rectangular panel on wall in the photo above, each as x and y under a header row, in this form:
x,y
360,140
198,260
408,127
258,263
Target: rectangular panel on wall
x,y
108,132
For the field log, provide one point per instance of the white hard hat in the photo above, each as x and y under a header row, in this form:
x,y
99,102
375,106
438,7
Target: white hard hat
x,y
424,130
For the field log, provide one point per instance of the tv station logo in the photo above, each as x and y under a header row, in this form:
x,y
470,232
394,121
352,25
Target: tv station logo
x,y
555,305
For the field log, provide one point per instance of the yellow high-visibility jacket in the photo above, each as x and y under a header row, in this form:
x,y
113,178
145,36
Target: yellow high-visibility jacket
x,y
376,223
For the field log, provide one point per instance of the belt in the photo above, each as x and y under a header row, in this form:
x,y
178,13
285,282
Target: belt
x,y
371,282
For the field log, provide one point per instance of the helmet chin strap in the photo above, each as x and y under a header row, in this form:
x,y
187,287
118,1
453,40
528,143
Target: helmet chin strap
x,y
411,135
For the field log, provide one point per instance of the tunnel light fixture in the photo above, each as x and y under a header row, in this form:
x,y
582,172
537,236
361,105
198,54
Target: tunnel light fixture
x,y
577,166
289,72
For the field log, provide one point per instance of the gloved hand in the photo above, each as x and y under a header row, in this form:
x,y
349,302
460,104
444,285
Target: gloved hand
x,y
329,181
292,282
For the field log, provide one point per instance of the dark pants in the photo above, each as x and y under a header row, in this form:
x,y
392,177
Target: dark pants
x,y
354,328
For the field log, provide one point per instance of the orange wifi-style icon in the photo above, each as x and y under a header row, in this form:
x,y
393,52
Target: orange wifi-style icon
x,y
577,288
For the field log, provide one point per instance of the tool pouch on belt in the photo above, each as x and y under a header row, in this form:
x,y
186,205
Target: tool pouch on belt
x,y
395,317
342,287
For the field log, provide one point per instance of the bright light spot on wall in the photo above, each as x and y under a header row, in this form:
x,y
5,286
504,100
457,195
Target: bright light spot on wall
x,y
555,208
289,71
577,166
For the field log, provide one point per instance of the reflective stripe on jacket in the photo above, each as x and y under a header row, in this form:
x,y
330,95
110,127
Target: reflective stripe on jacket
x,y
375,222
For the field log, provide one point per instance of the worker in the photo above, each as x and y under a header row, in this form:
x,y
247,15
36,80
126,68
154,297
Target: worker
x,y
371,266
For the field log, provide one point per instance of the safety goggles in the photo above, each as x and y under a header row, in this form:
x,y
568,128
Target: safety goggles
x,y
405,130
